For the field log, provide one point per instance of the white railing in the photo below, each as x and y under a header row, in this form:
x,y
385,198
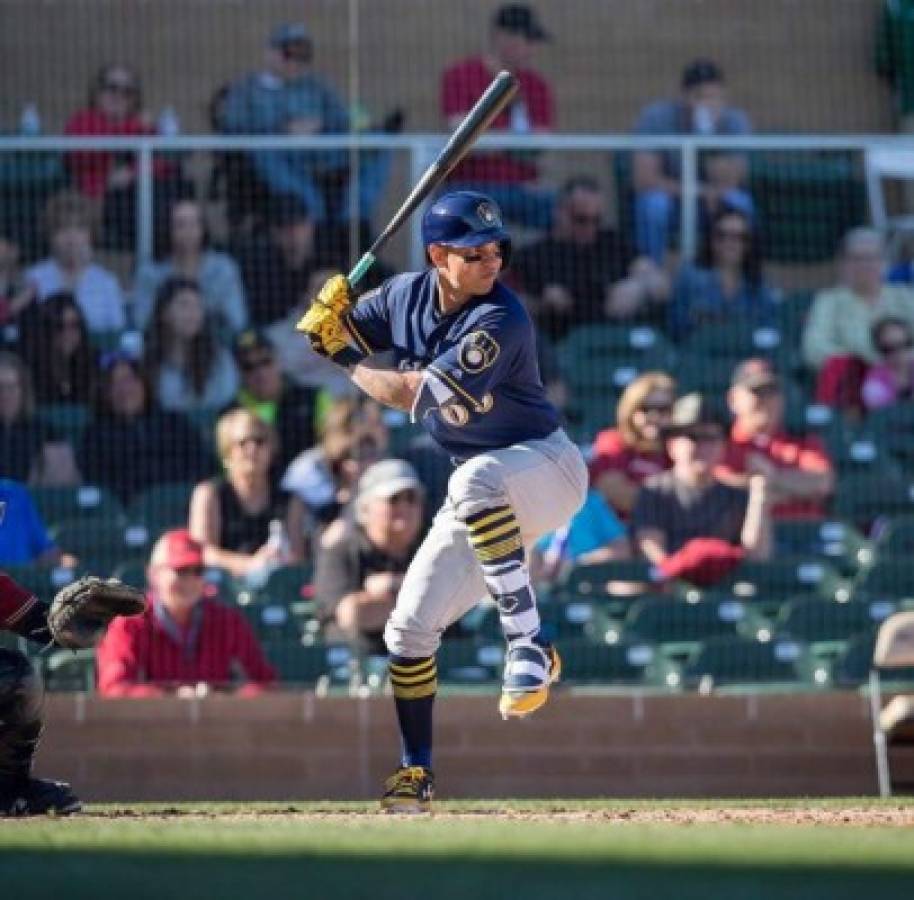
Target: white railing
x,y
422,149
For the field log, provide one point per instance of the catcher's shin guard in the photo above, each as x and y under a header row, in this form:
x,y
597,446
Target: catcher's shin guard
x,y
21,699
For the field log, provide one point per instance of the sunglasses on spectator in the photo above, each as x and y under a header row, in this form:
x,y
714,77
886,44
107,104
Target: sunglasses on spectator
x,y
584,219
120,87
257,362
473,258
704,436
731,234
187,571
896,347
656,406
258,440
68,323
407,496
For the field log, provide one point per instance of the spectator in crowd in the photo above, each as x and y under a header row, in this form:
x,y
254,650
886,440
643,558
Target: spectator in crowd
x,y
891,380
726,282
186,642
14,291
188,366
70,266
244,521
289,409
130,443
286,97
361,564
895,57
593,535
30,450
583,270
188,255
279,266
686,522
701,109
797,470
508,177
353,436
298,361
24,540
108,178
624,456
58,350
837,339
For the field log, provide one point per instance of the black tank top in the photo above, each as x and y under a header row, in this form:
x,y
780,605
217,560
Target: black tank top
x,y
242,531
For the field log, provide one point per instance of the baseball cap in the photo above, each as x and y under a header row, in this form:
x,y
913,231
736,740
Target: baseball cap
x,y
248,341
176,549
289,33
692,412
386,478
755,373
701,71
520,19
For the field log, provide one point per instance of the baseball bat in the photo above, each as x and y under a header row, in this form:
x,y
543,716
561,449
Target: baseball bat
x,y
496,97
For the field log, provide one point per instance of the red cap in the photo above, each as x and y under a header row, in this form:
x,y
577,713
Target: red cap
x,y
177,550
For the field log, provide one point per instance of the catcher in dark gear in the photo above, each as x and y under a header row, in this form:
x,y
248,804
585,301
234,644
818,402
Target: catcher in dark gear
x,y
77,617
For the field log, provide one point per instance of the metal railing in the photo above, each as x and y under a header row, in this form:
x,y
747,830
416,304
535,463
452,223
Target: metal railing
x,y
423,147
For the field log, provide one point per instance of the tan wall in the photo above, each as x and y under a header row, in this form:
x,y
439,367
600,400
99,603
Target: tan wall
x,y
797,65
297,746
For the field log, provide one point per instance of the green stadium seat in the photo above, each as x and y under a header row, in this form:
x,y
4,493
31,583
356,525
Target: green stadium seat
x,y
82,503
626,663
306,664
861,453
852,669
838,542
42,581
469,661
736,340
888,577
894,426
733,661
896,537
161,507
827,626
132,572
68,419
678,627
778,580
272,620
69,670
101,544
285,586
864,497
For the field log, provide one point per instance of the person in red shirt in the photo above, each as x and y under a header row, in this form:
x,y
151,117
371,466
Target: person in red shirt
x,y
624,456
507,177
184,639
115,109
797,470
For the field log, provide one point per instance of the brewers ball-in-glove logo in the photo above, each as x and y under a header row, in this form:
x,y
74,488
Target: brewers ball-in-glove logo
x,y
478,351
455,414
488,215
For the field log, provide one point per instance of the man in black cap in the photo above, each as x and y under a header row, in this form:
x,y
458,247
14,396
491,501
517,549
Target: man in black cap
x,y
507,177
700,109
688,523
266,393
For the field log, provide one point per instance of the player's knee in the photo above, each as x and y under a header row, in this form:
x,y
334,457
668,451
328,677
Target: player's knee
x,y
21,693
477,485
410,638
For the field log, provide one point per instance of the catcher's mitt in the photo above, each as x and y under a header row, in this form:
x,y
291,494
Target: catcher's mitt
x,y
81,611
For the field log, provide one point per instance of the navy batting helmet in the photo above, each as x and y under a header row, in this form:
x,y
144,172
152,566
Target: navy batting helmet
x,y
465,219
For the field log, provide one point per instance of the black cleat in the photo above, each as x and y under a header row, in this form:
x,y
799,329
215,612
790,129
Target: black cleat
x,y
409,790
38,797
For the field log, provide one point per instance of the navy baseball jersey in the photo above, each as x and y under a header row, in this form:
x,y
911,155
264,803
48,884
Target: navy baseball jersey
x,y
482,389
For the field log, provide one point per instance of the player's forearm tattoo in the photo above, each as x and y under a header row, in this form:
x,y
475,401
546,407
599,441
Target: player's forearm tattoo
x,y
396,389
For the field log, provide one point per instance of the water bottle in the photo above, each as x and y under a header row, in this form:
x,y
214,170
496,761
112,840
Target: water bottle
x,y
30,121
276,540
169,124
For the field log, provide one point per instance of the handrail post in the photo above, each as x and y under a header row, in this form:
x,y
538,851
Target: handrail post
x,y
688,238
144,205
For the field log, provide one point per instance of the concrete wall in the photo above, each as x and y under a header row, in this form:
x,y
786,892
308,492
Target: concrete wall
x,y
796,65
297,746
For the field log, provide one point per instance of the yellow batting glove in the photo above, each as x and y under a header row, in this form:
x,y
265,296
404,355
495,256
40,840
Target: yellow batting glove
x,y
331,303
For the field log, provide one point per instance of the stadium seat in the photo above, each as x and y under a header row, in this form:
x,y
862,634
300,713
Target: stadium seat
x,y
42,581
864,497
838,542
775,581
734,661
827,626
161,507
627,663
83,503
861,452
469,661
304,665
99,544
677,627
896,537
889,577
735,341
69,670
285,585
894,427
67,419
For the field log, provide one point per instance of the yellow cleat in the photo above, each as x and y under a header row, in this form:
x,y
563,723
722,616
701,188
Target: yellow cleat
x,y
409,790
529,670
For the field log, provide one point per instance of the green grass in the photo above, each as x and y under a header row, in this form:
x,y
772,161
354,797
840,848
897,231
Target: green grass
x,y
225,851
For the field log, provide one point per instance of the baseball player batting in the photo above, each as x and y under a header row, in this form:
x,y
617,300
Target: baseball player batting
x,y
465,367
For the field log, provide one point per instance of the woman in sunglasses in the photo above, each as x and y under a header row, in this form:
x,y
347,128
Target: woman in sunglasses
x,y
58,349
891,380
624,456
244,520
726,283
